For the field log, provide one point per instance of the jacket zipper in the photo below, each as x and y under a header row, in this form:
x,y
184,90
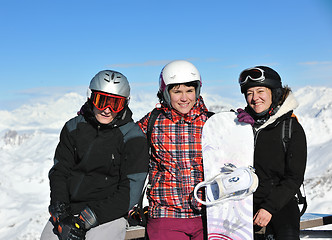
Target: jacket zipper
x,y
256,135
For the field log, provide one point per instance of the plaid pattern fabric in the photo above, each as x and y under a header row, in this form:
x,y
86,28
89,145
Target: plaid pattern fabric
x,y
176,161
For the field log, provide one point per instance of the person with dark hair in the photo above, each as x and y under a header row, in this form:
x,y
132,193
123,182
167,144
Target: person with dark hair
x,y
280,171
176,156
100,166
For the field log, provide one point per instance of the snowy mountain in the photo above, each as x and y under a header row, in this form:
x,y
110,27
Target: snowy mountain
x,y
29,135
315,114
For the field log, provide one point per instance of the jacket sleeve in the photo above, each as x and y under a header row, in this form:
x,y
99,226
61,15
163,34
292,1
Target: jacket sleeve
x,y
296,158
63,162
143,123
137,150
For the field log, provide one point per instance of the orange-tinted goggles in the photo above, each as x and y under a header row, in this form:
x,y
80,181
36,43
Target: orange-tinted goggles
x,y
103,100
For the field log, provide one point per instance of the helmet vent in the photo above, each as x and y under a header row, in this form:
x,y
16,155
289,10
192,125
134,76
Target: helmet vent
x,y
111,82
108,78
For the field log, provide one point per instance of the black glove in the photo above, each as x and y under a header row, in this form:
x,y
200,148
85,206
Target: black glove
x,y
58,211
75,227
88,218
71,228
138,216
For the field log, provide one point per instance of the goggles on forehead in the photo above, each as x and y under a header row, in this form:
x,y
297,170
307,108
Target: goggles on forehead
x,y
103,100
254,74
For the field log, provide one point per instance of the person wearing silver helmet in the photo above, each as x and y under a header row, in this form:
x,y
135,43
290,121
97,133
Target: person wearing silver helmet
x,y
176,156
280,169
100,165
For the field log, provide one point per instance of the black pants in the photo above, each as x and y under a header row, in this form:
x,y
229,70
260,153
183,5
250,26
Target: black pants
x,y
284,225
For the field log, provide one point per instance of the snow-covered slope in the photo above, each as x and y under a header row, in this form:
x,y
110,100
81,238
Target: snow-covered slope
x,y
29,135
315,114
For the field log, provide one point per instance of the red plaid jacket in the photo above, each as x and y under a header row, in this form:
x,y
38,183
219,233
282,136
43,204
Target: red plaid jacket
x,y
176,161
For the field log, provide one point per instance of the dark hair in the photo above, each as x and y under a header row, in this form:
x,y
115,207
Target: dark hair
x,y
188,84
285,92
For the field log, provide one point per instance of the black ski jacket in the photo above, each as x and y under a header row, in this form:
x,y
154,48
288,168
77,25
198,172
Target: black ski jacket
x,y
100,166
280,173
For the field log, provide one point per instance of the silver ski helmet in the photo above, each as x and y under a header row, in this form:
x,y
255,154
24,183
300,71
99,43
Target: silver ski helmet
x,y
178,72
109,81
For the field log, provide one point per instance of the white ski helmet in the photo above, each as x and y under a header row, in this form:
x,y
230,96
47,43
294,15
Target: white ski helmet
x,y
178,72
109,81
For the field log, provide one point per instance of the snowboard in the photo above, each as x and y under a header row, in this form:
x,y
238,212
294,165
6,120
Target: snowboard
x,y
225,140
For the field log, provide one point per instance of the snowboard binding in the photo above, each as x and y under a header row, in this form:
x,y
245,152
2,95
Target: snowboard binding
x,y
231,183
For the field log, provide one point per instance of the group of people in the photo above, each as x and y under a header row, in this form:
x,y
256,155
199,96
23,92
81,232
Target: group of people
x,y
103,158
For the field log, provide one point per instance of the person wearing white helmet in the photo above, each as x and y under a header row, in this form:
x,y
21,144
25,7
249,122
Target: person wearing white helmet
x,y
176,156
100,166
280,169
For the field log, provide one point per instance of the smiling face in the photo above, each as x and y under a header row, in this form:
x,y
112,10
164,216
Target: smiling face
x,y
105,116
259,98
183,98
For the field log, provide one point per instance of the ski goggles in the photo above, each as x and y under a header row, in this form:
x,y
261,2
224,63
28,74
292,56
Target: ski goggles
x,y
103,100
254,74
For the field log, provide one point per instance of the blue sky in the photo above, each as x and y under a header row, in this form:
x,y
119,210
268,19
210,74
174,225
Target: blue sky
x,y
52,47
